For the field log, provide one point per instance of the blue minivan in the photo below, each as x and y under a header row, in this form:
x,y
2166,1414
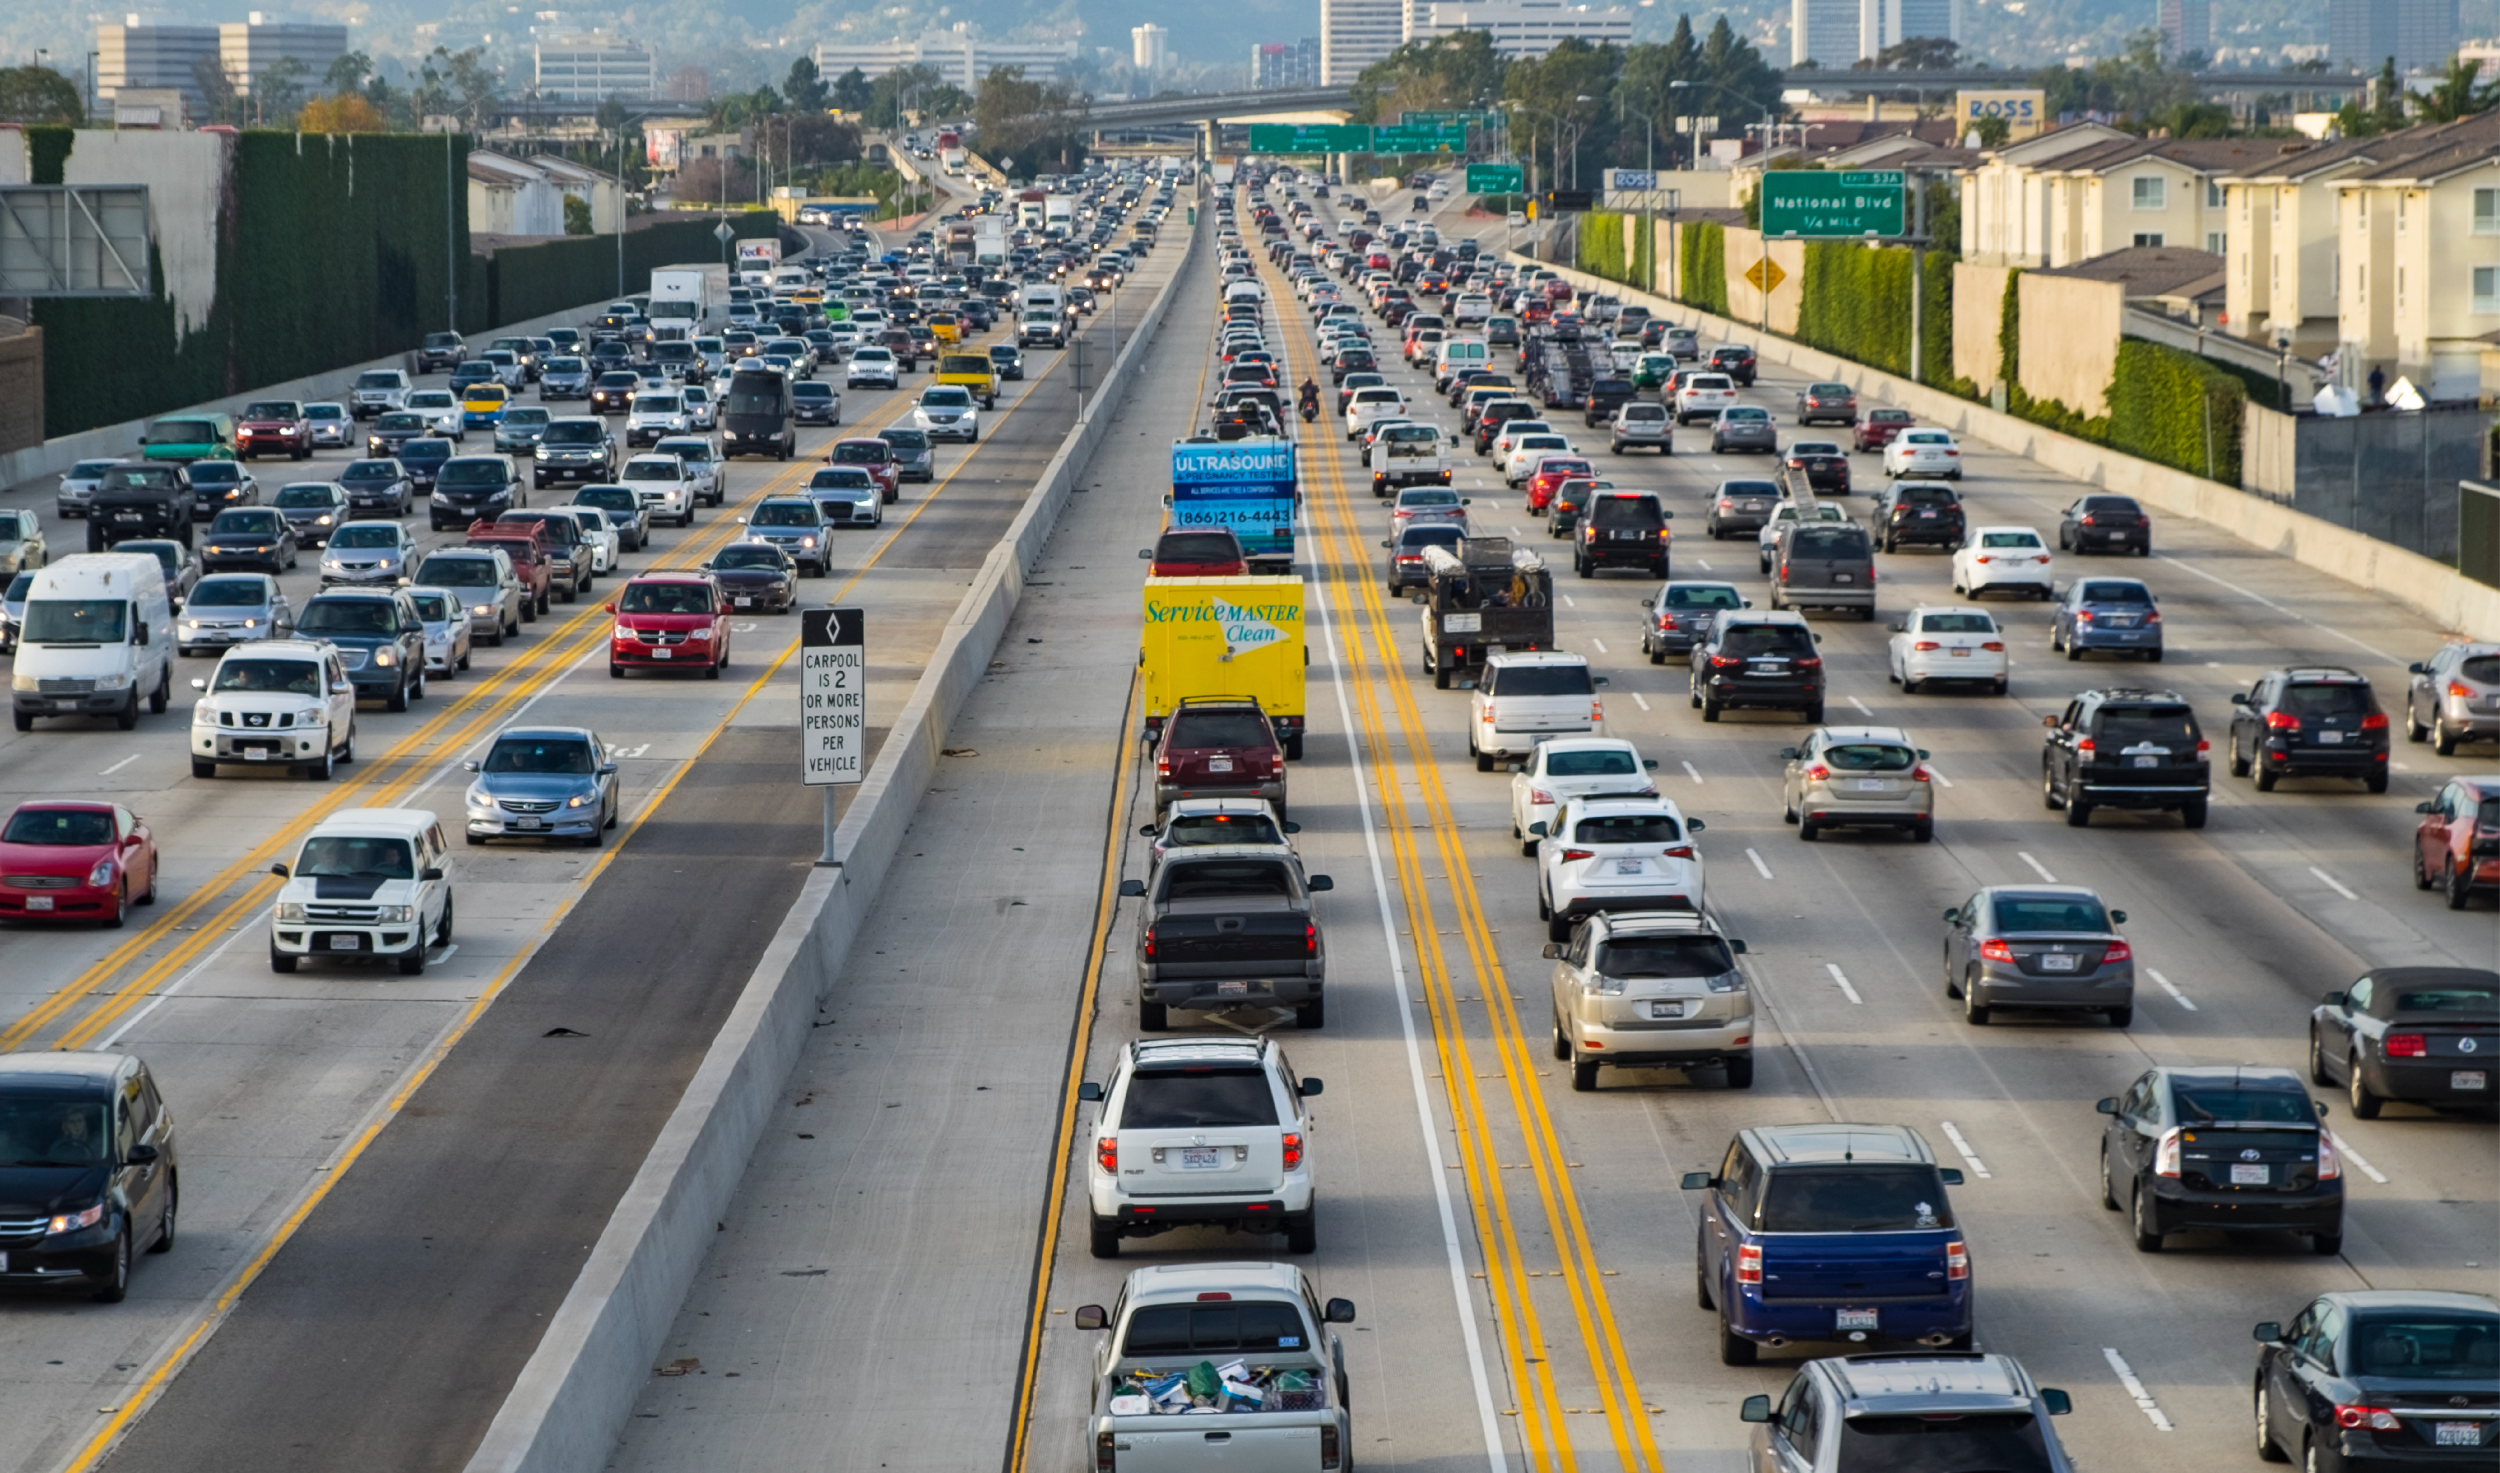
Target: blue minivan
x,y
1831,1234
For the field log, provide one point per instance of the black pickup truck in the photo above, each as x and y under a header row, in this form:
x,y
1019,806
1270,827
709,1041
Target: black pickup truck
x,y
140,499
1230,928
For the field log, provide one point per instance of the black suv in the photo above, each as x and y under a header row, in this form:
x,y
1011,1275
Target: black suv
x,y
2223,1149
2314,721
1758,659
1622,529
1735,360
140,499
1915,512
381,641
1607,392
473,488
2125,749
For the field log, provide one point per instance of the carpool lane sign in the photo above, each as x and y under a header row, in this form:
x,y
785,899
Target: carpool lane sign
x,y
833,696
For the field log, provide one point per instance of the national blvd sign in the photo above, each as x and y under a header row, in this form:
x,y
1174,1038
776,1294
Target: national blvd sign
x,y
1809,203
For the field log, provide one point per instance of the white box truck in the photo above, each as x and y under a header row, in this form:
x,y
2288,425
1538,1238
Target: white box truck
x,y
1059,213
756,260
989,242
681,302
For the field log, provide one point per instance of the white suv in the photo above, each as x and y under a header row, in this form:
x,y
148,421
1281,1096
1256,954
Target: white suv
x,y
1614,853
664,485
1526,698
368,882
1702,397
1202,1131
275,703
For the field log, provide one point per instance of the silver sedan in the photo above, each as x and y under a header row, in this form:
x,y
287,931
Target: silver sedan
x,y
2038,946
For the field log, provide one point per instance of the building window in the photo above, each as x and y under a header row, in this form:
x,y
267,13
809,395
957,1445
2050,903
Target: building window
x,y
2486,290
2213,195
2148,237
2404,211
2218,242
2152,192
2487,212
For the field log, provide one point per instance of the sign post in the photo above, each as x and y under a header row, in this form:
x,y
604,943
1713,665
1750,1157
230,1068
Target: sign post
x,y
833,705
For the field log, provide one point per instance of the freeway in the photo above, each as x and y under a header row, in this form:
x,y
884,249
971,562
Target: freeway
x,y
1520,1251
389,1179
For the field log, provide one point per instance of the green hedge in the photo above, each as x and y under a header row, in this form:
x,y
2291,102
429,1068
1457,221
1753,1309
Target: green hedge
x,y
2176,409
1856,303
47,151
1702,263
535,280
1601,247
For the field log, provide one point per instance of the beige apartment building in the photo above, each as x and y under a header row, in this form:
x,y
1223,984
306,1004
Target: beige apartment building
x,y
2054,208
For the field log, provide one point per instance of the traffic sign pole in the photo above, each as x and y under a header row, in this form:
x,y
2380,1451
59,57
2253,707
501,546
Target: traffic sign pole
x,y
833,705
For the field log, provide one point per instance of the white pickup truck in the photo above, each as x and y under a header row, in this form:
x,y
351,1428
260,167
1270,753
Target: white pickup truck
x,y
1411,454
1224,1366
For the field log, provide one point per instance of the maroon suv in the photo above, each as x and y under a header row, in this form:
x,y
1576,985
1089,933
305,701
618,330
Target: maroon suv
x,y
1221,747
272,426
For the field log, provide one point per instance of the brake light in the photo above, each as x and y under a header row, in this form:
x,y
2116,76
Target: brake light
x,y
2083,616
1293,1150
2406,1046
2153,618
1817,773
1724,662
2330,1165
1597,710
1331,1452
1996,950
1748,1264
1996,645
1667,621
1680,851
2203,747
2375,1419
1539,795
2086,747
1956,1260
2166,1155
1796,465
1927,644
2375,721
1150,943
1811,662
2087,521
2459,689
2282,721
1163,766
1488,710
2119,951
1921,775
1107,1153
1572,854
1107,1461
1984,558
1310,939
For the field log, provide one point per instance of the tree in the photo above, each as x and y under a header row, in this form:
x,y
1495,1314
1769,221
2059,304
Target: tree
x,y
1456,70
209,75
2460,94
463,86
805,89
714,181
1993,131
38,94
2195,120
1916,54
576,215
343,112
278,92
851,91
610,117
1034,123
347,74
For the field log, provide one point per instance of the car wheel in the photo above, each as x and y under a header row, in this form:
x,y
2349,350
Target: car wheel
x,y
320,771
2327,1245
1909,687
2122,1017
1105,1238
2415,731
2266,776
113,1285
2193,814
121,906
412,961
1583,1075
1740,1072
2109,1189
1924,831
2455,885
1709,708
397,700
2316,1459
2239,764
167,1224
2078,812
2145,1223
128,717
1808,830
1974,1012
1735,1349
1312,1014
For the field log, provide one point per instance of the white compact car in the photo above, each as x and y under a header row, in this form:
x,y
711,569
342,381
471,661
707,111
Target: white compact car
x,y
367,882
1608,853
1572,767
1945,642
947,413
275,703
1923,452
1526,451
870,367
1525,698
441,408
1702,396
605,542
448,634
2010,558
1201,1131
664,485
1508,436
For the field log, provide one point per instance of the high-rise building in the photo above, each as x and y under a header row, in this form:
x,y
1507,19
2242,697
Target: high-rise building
x,y
2187,27
1883,24
1355,33
137,56
958,54
1824,32
1150,47
2362,34
2426,34
1529,28
1276,64
263,40
595,67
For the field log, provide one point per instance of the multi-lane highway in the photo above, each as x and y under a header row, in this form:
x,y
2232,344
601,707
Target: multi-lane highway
x,y
388,1180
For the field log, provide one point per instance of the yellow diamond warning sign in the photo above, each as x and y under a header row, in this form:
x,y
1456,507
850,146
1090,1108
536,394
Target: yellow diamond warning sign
x,y
1765,275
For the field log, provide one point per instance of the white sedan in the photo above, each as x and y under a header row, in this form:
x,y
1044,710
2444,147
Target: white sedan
x,y
1572,767
1507,437
1526,451
1923,453
2002,557
1946,642
1369,404
870,366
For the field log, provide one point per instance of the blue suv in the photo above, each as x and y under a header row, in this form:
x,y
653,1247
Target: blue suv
x,y
380,638
1831,1233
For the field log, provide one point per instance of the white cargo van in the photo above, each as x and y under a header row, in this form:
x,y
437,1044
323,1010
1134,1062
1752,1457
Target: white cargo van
x,y
1455,355
97,639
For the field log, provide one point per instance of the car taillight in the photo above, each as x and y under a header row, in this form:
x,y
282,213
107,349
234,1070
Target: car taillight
x,y
2083,616
1984,558
1310,939
2153,618
1666,620
1573,854
1796,465
1107,1461
2375,721
1996,645
1811,662
2119,951
1724,662
2166,1155
2087,521
1149,943
1926,644
2330,1165
1817,773
1996,950
1539,795
1956,1260
1107,1153
1488,710
2375,1419
1293,1150
1921,775
1331,1451
1680,851
1597,710
2406,1046
2086,748
1163,767
2460,689
1748,1264
2282,721
2203,747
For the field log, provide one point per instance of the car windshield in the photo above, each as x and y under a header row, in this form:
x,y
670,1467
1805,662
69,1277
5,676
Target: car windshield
x,y
607,498
1540,680
215,472
2017,914
905,439
2009,539
314,494
863,452
1664,957
2430,1347
420,451
785,514
657,404
180,432
1228,879
399,422
2452,998
749,556
75,827
2135,594
76,621
433,608
1869,757
665,598
524,418
472,473
2337,698
339,856
1859,1198
1627,828
1212,1329
1197,547
1743,414
267,676
566,756
1816,541
460,572
366,536
46,1130
1950,1442
1626,511
2212,1104
430,399
1757,641
270,409
228,593
1191,1099
946,399
244,520
370,470
1408,499
1591,764
1703,598
1956,624
348,616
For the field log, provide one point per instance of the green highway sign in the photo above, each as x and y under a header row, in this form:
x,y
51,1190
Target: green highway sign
x,y
1313,138
1407,139
1495,179
1805,203
1461,120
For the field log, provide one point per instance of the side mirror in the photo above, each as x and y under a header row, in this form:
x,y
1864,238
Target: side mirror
x,y
198,683
2424,807
2240,699
1318,883
1311,1087
279,870
1538,829
1666,516
1603,681
1553,951
429,873
1649,603
142,1154
2268,1332
1146,830
1922,754
1338,1312
1694,825
1652,763
1736,944
140,635
1745,603
1699,1181
2417,668
2334,999
1950,1175
468,767
2321,1107
1292,827
2118,917
1900,626
2107,1105
2058,1402
1131,889
1091,1317
1755,1409
1089,1092
608,608
1514,768
1788,754
1384,542
1467,501
1416,598
607,769
1953,916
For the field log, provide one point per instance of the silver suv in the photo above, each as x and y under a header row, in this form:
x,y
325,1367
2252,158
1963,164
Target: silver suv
x,y
1644,424
1960,1410
1651,990
2454,696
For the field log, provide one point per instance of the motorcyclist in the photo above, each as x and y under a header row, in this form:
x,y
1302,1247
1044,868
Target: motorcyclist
x,y
1310,398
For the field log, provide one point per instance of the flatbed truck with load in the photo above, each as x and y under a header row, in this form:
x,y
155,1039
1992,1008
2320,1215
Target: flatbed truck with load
x,y
1489,597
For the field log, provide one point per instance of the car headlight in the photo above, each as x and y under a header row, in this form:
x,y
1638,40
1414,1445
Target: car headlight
x,y
204,714
190,623
386,658
396,914
580,800
290,913
70,1222
322,521
112,682
101,875
482,610
23,682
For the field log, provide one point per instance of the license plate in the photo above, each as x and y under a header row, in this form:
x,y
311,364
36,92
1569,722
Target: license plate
x,y
664,654
1666,1010
255,754
2331,738
1201,1158
1927,516
2249,1176
347,943
1961,654
2457,1078
38,902
1844,577
746,603
1630,866
2144,762
2057,961
529,823
1870,784
2457,1434
1220,764
1232,989
1855,1319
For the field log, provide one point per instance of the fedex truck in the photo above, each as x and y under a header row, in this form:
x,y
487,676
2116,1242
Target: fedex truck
x,y
756,260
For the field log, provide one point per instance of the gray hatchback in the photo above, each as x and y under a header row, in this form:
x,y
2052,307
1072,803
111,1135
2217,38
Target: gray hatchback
x,y
2038,946
2454,696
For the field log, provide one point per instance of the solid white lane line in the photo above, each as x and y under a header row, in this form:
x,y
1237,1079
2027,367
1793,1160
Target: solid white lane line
x,y
2135,1388
1636,695
1693,771
1840,977
1601,647
1758,864
1705,563
1568,603
1953,1133
118,766
2176,995
2037,867
1863,709
2333,883
1496,1460
2344,1149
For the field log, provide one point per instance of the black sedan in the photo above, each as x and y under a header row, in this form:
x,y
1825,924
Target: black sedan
x,y
2383,1378
1736,361
2423,1035
2223,1149
2105,524
1813,466
394,429
249,539
755,575
1008,359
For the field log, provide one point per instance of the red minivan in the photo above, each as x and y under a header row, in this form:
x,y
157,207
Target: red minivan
x,y
669,621
876,457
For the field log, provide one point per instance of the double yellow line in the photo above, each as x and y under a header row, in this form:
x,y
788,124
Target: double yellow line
x,y
1545,1436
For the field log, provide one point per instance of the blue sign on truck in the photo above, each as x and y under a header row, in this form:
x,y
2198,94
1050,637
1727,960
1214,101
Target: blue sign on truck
x,y
1246,485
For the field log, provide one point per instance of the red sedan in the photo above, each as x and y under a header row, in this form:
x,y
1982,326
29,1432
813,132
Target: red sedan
x,y
1551,472
669,621
874,456
1876,430
67,860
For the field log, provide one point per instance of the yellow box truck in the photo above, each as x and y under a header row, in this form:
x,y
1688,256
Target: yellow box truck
x,y
1226,637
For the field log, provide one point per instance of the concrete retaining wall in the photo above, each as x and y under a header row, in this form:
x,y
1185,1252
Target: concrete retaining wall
x,y
2072,353
2431,589
564,1412
1978,323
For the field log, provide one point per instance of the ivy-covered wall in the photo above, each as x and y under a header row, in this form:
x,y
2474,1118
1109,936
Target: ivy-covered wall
x,y
2176,409
1701,262
1856,303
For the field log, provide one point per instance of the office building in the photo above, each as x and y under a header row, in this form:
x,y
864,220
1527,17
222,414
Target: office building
x,y
594,67
1278,65
960,56
2187,28
1529,28
1823,33
153,58
1355,33
1150,47
263,40
2362,34
1883,24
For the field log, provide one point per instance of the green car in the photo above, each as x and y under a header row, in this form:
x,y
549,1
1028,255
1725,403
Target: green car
x,y
1653,370
184,438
